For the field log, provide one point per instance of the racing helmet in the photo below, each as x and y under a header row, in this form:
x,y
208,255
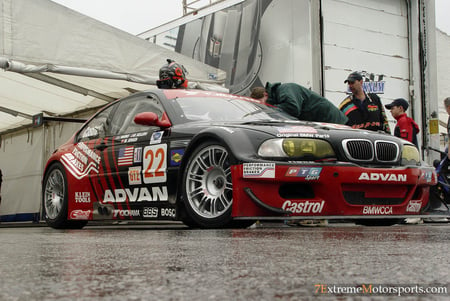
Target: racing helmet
x,y
172,75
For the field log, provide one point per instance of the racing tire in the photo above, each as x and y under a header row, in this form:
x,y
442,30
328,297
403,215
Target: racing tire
x,y
55,199
378,222
207,187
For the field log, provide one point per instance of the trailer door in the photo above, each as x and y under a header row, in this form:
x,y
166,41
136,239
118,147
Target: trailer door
x,y
369,36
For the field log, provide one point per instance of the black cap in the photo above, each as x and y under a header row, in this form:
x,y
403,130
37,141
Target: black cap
x,y
399,102
353,77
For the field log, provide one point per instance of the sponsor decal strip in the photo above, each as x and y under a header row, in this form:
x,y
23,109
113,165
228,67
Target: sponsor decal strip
x,y
69,162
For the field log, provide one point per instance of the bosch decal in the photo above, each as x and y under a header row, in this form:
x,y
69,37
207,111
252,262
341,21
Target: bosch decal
x,y
304,206
168,212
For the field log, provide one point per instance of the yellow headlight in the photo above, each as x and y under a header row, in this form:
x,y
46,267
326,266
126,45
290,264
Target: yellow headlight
x,y
410,155
298,147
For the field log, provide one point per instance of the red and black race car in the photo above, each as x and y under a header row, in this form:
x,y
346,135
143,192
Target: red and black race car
x,y
218,160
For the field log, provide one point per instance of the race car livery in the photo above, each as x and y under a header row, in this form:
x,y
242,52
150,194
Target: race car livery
x,y
219,160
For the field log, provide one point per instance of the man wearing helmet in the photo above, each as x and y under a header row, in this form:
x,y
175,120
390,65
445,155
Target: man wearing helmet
x,y
172,76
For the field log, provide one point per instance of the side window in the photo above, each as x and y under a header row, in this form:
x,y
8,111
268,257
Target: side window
x,y
98,127
123,119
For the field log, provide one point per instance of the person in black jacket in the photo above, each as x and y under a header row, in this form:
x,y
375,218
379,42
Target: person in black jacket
x,y
364,110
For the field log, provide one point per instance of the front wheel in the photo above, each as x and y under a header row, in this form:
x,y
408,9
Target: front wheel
x,y
207,186
55,199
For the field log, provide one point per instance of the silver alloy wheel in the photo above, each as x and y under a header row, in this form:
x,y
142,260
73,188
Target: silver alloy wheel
x,y
54,193
208,183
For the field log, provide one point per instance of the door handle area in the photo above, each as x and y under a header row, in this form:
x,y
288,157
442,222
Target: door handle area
x,y
101,146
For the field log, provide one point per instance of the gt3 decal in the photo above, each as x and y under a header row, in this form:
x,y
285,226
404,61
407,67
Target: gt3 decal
x,y
259,170
154,164
134,175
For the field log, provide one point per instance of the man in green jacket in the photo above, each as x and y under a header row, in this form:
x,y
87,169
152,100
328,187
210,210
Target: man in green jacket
x,y
299,102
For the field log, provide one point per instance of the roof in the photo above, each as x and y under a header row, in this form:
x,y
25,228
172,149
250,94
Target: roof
x,y
58,61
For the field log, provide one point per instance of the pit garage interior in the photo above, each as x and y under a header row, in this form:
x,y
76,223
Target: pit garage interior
x,y
56,63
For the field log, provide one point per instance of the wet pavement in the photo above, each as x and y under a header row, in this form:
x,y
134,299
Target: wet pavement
x,y
269,262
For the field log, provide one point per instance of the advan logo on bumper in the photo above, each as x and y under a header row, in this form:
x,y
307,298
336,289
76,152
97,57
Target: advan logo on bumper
x,y
385,177
304,207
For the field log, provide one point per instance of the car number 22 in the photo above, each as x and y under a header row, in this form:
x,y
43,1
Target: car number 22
x,y
154,163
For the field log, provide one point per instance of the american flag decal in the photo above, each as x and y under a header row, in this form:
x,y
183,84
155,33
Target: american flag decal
x,y
126,156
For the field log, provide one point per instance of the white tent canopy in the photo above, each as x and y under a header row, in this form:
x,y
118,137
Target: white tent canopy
x,y
58,61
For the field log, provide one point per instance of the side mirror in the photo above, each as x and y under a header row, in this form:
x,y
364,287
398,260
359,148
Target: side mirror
x,y
151,119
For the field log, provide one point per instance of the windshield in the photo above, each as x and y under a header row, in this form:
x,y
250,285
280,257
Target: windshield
x,y
225,109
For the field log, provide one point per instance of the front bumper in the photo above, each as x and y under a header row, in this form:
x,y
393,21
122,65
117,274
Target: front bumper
x,y
332,191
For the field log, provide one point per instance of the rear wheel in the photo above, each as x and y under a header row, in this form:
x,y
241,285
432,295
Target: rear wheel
x,y
55,199
207,186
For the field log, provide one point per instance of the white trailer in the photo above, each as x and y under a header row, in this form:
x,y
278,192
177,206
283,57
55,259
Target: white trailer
x,y
317,43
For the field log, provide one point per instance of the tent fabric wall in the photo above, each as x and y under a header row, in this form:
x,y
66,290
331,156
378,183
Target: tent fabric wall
x,y
45,45
21,166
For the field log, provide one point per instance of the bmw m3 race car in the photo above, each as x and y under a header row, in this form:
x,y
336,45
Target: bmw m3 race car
x,y
218,160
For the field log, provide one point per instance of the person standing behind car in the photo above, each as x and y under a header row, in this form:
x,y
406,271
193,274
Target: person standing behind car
x,y
300,102
406,128
364,110
447,108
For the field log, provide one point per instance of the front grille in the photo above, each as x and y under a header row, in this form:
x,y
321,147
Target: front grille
x,y
363,150
386,151
358,150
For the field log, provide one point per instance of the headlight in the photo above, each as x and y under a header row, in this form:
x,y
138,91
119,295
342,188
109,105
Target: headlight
x,y
308,149
410,155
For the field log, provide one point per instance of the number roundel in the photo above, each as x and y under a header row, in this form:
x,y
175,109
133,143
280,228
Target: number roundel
x,y
155,163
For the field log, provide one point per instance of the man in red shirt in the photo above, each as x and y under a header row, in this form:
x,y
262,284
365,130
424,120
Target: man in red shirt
x,y
406,127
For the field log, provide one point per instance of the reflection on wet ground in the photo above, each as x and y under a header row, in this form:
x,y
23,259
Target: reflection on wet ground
x,y
172,262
